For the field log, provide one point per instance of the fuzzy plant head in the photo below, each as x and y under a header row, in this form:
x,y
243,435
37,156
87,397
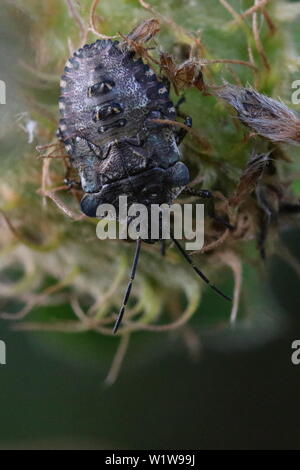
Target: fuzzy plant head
x,y
233,73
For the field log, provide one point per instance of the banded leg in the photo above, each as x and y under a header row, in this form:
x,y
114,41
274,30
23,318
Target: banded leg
x,y
129,287
198,271
202,193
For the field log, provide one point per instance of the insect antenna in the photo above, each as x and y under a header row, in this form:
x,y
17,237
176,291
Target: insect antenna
x,y
128,290
198,271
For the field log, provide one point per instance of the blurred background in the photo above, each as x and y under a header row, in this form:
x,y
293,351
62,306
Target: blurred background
x,y
206,385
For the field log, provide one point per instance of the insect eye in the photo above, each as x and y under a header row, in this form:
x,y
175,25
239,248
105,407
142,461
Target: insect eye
x,y
101,88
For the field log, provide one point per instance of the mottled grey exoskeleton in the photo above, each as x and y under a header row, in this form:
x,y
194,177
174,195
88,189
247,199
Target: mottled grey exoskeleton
x,y
109,101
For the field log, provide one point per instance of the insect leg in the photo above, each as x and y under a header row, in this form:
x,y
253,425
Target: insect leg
x,y
202,193
289,208
198,271
128,290
181,133
219,220
177,106
206,194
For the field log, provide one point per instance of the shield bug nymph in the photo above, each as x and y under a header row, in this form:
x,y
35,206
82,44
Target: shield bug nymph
x,y
109,102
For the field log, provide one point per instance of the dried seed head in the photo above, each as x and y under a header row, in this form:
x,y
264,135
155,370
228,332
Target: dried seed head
x,y
250,176
187,74
144,31
269,118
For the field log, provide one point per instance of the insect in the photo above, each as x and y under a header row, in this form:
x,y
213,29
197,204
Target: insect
x,y
109,102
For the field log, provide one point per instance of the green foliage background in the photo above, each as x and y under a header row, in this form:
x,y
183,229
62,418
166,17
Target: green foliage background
x,y
34,47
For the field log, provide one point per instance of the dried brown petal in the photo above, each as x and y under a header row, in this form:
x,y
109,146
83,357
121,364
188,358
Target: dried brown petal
x,y
187,74
144,31
267,117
